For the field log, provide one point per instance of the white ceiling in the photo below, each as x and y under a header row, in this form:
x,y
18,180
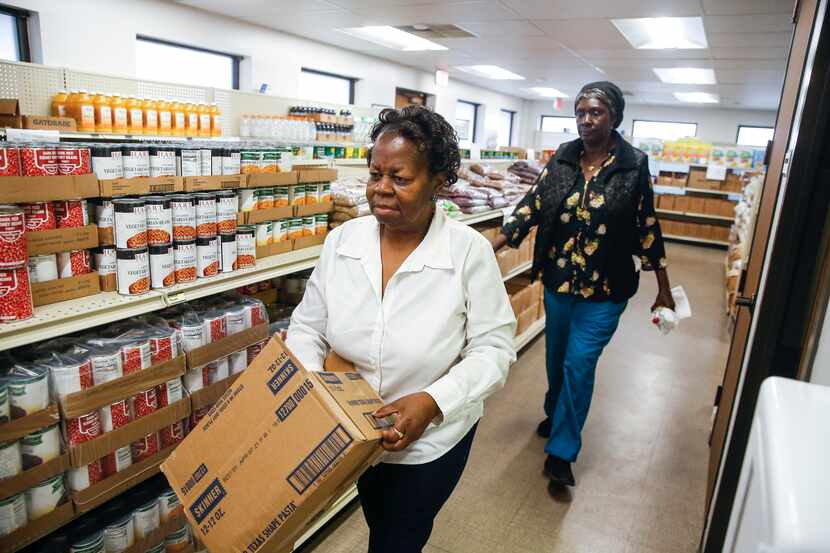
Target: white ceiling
x,y
558,43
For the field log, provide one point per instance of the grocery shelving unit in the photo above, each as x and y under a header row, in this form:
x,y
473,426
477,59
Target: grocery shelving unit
x,y
721,218
525,338
696,240
519,269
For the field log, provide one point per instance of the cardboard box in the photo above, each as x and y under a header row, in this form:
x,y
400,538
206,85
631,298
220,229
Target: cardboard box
x,y
526,318
313,209
309,241
521,296
681,204
38,528
711,206
667,202
525,251
277,449
665,179
680,180
48,123
507,258
285,178
695,204
34,476
209,395
17,428
141,185
64,289
697,176
727,208
218,182
19,190
317,175
733,183
61,240
106,236
10,113
272,214
200,357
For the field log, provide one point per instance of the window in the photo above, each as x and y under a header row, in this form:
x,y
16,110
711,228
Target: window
x,y
466,120
754,136
14,38
664,130
551,123
506,127
320,86
159,60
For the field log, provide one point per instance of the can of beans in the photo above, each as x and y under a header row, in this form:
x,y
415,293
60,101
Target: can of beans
x,y
162,272
145,403
247,199
103,213
37,160
162,161
193,336
280,231
41,446
5,409
12,237
184,261
218,370
264,233
215,326
70,374
159,220
133,271
74,263
12,514
15,295
71,213
28,390
43,498
40,216
107,162
145,447
82,429
207,256
245,247
265,198
235,319
188,163
81,478
11,459
226,206
169,392
227,243
43,268
136,356
205,214
73,160
120,534
136,161
163,346
118,460
183,207
9,161
106,363
130,223
196,379
106,265
254,314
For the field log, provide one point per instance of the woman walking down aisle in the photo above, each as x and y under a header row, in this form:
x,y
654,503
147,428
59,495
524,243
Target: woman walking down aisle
x,y
416,302
594,207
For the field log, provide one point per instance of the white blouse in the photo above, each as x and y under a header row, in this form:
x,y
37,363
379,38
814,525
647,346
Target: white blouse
x,y
443,326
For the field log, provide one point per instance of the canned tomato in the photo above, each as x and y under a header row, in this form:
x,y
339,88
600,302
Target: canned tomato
x,y
265,198
215,326
162,161
12,514
103,213
247,200
9,161
83,477
28,390
45,497
227,243
71,213
183,207
321,224
105,265
146,447
83,429
245,247
162,272
184,261
136,356
73,160
136,161
107,162
207,256
12,237
41,446
159,220
130,223
295,228
163,346
43,268
264,233
11,459
226,205
133,271
40,216
281,198
15,295
205,214
308,226
280,231
74,263
38,161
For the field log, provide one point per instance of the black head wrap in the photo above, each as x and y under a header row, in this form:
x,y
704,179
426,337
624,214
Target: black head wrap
x,y
609,94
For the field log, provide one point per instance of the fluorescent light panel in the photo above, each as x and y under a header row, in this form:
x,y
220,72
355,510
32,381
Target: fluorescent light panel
x,y
547,92
392,37
661,33
685,75
697,97
490,72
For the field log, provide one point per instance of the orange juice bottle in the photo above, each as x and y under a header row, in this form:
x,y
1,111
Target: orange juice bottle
x,y
135,115
192,114
178,123
151,116
204,119
86,112
103,112
165,117
59,104
119,114
215,120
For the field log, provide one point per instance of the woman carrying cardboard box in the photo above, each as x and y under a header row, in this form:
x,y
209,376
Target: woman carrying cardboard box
x,y
416,301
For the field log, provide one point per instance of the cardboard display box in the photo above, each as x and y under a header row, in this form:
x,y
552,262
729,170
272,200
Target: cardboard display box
x,y
106,236
49,123
681,204
61,240
274,249
63,289
17,428
697,177
209,395
141,185
520,297
218,182
526,318
38,528
272,214
34,476
317,175
313,209
20,190
695,204
201,356
277,449
507,259
309,241
285,178
10,113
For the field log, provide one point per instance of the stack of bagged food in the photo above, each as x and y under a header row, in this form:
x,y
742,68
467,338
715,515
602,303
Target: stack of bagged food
x,y
349,196
480,188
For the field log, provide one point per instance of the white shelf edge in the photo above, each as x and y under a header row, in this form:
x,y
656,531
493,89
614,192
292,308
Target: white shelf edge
x,y
481,217
332,511
698,215
524,339
693,239
516,271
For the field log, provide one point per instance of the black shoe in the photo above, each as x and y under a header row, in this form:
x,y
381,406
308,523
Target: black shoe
x,y
543,430
559,471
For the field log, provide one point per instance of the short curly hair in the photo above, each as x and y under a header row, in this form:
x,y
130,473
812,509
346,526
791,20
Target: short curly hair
x,y
429,131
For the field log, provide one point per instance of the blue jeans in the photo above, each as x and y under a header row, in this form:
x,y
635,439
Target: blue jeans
x,y
576,332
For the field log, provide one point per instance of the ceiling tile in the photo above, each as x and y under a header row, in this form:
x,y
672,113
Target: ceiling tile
x,y
594,56
726,63
571,9
750,53
501,28
259,8
749,40
738,7
450,12
749,75
581,33
769,23
369,4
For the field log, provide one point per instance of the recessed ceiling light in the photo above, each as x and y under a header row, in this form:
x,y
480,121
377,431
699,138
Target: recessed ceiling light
x,y
685,75
697,97
391,37
548,92
658,33
491,72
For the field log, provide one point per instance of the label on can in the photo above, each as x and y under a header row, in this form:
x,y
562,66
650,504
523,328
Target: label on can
x,y
38,161
43,268
105,262
159,220
15,294
193,336
189,163
249,162
231,163
12,237
163,163
295,228
245,247
9,161
162,269
136,162
280,230
71,213
119,535
40,216
107,164
133,271
74,263
73,160
229,252
247,199
321,224
205,162
10,459
264,233
184,217
281,198
104,213
207,256
205,215
226,205
296,194
265,198
184,261
12,514
130,223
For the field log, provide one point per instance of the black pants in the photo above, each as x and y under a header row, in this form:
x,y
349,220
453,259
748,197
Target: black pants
x,y
400,502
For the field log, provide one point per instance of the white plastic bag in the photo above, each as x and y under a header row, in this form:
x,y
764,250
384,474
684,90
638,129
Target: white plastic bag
x,y
667,320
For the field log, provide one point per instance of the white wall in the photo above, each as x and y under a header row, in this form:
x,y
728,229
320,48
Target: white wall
x,y
99,36
713,124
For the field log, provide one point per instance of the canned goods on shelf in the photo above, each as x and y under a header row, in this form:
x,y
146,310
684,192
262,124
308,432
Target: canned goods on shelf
x,y
281,196
265,198
207,256
184,261
73,160
321,224
106,265
162,271
159,220
15,295
308,226
136,161
295,228
227,245
9,161
41,446
183,208
245,247
28,390
38,160
130,223
133,271
247,199
264,233
81,478
188,163
40,216
12,237
43,268
226,208
280,231
44,497
71,213
107,162
12,514
74,263
162,161
205,214
11,459
103,212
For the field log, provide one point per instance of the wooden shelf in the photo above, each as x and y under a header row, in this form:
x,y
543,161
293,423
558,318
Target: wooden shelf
x,y
721,218
696,240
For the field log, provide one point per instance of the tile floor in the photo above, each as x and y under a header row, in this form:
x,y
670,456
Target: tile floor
x,y
641,475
